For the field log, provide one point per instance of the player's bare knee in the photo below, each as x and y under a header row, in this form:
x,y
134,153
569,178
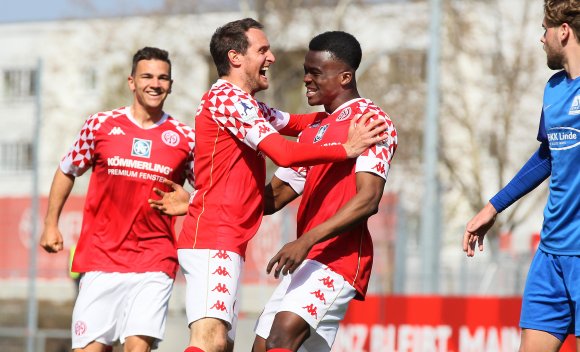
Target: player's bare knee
x,y
212,336
277,341
283,339
138,344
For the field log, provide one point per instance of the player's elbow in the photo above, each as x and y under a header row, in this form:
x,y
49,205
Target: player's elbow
x,y
371,209
282,161
370,206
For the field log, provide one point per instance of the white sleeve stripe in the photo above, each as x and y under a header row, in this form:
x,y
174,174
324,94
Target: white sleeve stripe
x,y
280,120
257,133
68,168
293,178
373,165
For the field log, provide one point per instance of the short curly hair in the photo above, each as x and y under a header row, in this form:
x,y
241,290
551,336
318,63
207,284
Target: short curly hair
x,y
558,12
343,46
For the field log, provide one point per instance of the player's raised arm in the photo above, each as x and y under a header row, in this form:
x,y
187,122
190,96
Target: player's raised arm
x,y
361,137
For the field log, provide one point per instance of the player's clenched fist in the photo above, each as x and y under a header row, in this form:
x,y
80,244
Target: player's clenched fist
x,y
51,240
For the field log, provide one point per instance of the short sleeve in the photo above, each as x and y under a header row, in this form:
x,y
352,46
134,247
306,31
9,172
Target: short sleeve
x,y
190,135
278,119
377,159
237,112
80,157
295,177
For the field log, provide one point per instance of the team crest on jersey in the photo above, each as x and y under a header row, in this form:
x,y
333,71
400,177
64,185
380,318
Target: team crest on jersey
x,y
141,147
171,138
320,134
575,108
344,114
247,110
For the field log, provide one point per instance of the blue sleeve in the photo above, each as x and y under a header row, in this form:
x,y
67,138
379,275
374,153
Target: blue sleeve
x,y
534,172
542,135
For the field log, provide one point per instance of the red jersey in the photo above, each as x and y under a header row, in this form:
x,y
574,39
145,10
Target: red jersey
x,y
120,231
326,188
230,173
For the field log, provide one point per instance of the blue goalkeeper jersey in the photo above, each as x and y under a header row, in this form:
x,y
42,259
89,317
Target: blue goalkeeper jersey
x,y
560,128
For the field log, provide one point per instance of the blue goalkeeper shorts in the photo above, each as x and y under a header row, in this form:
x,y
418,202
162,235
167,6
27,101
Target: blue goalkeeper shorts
x,y
552,294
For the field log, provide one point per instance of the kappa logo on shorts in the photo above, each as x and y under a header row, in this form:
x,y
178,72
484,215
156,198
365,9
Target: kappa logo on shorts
x,y
221,271
219,305
222,288
171,138
221,254
141,147
320,295
80,328
312,310
328,282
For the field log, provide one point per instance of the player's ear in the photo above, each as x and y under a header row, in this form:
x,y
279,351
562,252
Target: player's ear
x,y
565,32
345,78
235,58
131,83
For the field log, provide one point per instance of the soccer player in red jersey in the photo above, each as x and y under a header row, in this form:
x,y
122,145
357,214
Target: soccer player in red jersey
x,y
330,262
234,133
127,250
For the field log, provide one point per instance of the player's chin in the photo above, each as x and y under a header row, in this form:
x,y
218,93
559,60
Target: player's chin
x,y
263,82
313,100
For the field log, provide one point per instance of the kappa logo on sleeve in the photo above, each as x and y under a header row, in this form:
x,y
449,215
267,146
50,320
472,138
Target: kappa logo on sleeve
x,y
380,168
247,110
141,148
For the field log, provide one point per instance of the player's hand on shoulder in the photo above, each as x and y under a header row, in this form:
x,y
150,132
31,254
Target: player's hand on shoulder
x,y
172,203
364,131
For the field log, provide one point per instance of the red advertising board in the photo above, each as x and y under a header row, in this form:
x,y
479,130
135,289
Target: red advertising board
x,y
434,324
15,233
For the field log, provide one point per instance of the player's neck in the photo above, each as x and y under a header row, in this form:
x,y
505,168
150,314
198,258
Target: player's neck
x,y
341,99
238,81
144,117
572,66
